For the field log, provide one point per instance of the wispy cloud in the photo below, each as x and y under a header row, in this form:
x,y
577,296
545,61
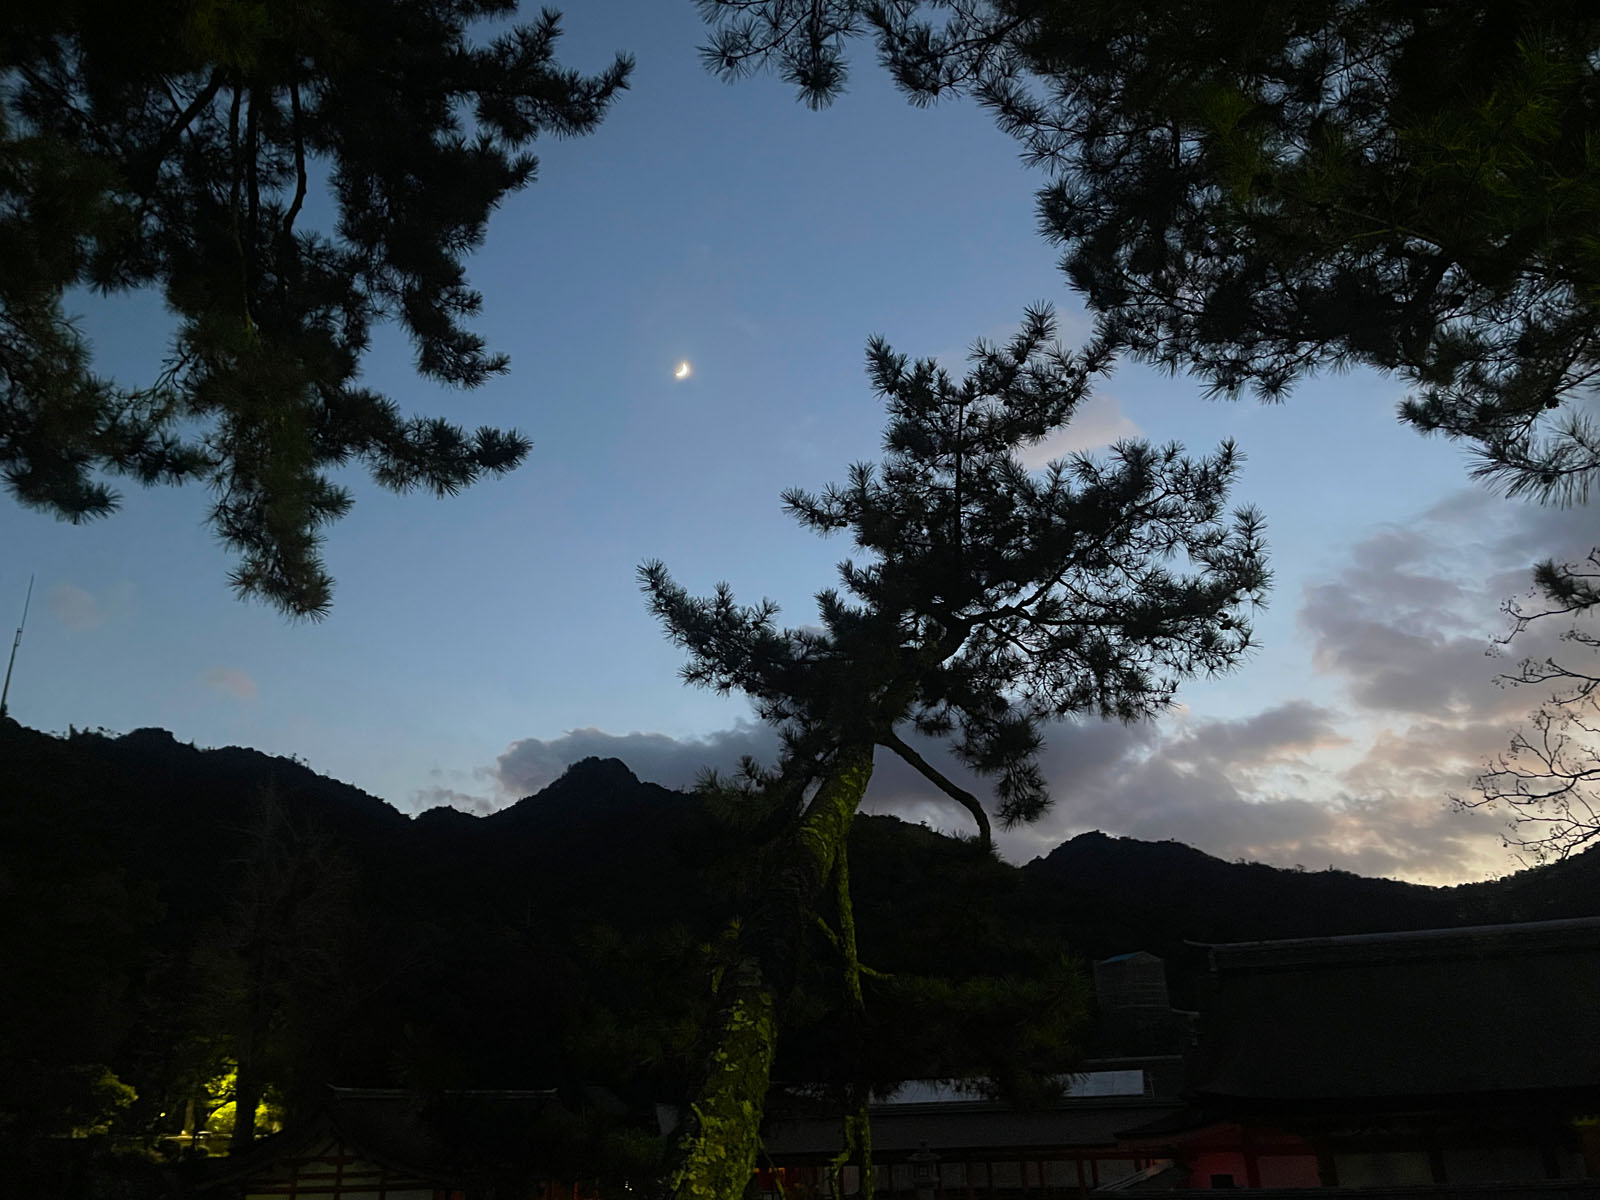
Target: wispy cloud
x,y
79,609
230,681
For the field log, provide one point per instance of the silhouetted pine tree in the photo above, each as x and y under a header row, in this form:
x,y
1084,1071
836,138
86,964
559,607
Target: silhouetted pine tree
x,y
989,601
174,146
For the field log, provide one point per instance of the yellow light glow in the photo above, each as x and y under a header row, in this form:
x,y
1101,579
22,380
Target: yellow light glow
x,y
683,370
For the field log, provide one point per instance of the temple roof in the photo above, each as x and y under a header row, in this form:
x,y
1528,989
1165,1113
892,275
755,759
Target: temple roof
x,y
1480,1011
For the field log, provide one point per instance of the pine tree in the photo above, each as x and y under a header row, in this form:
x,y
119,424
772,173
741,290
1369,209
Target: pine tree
x,y
173,146
988,602
1254,192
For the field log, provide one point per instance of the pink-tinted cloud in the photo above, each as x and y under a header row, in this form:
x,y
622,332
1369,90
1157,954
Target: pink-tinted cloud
x,y
231,682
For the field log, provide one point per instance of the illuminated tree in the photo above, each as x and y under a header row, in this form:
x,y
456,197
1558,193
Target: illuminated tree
x,y
988,602
275,969
178,147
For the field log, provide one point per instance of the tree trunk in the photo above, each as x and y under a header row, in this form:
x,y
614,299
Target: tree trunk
x,y
248,1087
722,1135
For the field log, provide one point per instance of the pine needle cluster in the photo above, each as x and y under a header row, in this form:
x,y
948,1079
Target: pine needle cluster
x,y
1257,192
177,147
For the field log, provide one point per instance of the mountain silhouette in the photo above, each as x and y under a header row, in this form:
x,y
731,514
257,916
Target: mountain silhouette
x,y
567,936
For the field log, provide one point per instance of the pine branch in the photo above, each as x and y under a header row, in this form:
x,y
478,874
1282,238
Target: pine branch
x,y
961,796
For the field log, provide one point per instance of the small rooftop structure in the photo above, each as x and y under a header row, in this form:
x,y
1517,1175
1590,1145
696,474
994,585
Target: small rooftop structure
x,y
1134,1013
1137,980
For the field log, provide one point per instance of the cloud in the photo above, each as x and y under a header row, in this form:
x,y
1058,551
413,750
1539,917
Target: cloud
x,y
1285,733
532,763
1401,624
1076,759
746,324
231,682
78,609
1225,786
1272,818
1241,788
1098,422
458,789
1407,626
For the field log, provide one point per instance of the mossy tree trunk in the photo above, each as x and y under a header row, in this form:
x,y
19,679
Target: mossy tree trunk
x,y
857,1141
722,1135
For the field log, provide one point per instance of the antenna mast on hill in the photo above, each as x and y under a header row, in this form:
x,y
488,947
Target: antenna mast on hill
x,y
15,642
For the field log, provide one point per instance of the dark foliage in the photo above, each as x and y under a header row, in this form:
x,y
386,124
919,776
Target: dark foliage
x,y
1253,192
174,146
564,939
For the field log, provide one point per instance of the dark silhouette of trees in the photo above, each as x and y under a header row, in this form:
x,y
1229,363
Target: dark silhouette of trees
x,y
1256,192
175,147
987,603
510,951
274,968
73,930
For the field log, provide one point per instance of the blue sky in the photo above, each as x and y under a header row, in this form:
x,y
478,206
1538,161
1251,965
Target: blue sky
x,y
478,644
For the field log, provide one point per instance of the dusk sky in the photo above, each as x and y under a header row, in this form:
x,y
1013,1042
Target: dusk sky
x,y
478,645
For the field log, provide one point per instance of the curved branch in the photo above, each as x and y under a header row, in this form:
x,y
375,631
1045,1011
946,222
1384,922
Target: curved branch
x,y
298,121
837,943
892,740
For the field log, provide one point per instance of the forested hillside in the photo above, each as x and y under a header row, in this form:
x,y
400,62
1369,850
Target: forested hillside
x,y
181,925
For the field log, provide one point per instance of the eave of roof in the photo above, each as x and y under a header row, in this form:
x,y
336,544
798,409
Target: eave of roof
x,y
1530,937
